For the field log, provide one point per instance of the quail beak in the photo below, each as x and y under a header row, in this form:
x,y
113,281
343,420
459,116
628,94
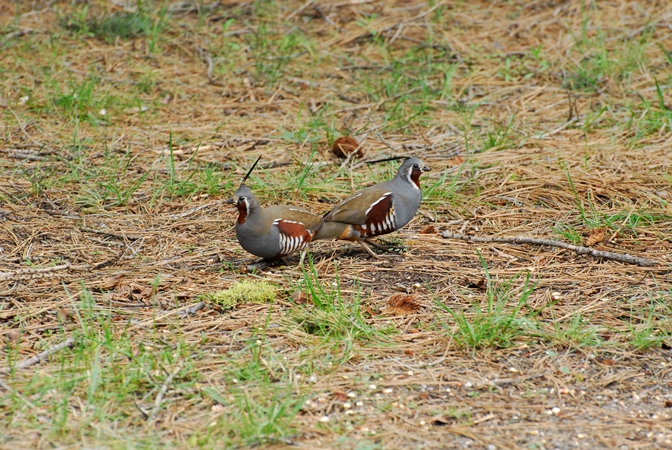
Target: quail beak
x,y
426,169
230,201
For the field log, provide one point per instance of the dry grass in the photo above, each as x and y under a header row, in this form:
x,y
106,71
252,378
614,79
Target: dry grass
x,y
547,119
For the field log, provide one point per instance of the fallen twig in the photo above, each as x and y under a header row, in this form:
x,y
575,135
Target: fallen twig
x,y
192,310
121,237
621,257
195,209
391,146
69,342
12,391
164,388
29,274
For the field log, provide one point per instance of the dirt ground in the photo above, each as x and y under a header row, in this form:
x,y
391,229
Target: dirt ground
x,y
114,224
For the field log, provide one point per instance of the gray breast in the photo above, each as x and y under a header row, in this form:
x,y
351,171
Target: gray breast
x,y
406,205
260,241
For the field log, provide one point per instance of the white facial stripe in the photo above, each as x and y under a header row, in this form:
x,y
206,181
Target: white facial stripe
x,y
410,180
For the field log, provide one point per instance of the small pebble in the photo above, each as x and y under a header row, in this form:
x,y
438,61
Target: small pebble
x,y
324,419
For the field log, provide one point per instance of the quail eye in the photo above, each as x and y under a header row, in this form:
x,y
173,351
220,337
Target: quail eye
x,y
415,166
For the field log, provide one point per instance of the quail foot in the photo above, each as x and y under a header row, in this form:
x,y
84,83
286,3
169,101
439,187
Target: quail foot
x,y
377,210
274,232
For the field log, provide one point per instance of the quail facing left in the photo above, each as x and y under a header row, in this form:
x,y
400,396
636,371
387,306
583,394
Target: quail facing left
x,y
274,232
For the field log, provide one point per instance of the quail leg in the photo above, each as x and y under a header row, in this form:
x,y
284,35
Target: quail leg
x,y
387,248
377,245
368,249
303,256
264,263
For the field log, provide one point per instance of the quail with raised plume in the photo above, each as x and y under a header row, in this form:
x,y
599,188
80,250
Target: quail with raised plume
x,y
274,232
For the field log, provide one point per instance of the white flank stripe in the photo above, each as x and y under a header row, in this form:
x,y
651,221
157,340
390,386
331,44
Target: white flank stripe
x,y
376,202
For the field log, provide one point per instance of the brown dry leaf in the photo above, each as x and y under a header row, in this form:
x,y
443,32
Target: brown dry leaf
x,y
456,161
400,304
340,396
409,353
300,297
595,237
371,311
442,420
428,230
108,283
480,284
64,316
12,336
345,145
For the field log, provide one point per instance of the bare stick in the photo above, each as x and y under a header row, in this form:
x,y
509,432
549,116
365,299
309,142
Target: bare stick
x,y
621,257
164,388
69,342
23,128
29,274
391,146
301,8
9,389
192,310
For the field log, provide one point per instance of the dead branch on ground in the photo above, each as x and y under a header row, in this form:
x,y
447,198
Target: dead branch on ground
x,y
621,257
69,342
